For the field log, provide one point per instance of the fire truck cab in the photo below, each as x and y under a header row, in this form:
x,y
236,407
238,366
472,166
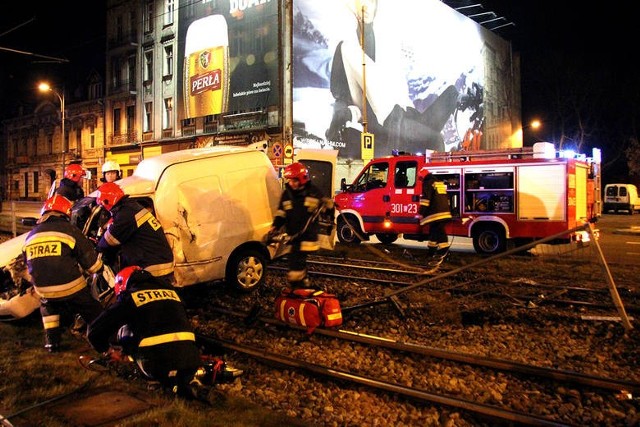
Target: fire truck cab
x,y
497,198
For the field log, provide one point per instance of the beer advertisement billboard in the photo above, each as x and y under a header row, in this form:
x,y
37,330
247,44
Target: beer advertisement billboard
x,y
228,57
416,74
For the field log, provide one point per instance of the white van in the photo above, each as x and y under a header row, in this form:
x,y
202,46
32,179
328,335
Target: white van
x,y
621,197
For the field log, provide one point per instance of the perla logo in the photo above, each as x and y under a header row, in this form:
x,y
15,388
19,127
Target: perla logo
x,y
205,59
241,5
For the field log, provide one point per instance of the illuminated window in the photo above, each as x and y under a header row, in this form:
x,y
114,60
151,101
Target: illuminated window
x,y
167,117
168,12
92,136
148,66
148,117
168,60
148,17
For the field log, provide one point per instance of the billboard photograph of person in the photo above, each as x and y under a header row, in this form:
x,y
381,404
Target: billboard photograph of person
x,y
410,71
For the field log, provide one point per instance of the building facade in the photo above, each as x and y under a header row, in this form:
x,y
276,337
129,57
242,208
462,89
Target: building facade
x,y
272,85
33,152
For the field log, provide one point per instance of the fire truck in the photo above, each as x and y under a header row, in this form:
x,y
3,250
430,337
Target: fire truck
x,y
500,199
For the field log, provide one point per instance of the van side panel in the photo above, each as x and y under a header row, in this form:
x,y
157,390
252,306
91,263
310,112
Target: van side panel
x,y
209,207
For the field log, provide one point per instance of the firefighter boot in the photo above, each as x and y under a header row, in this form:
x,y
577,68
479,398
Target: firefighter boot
x,y
438,257
52,338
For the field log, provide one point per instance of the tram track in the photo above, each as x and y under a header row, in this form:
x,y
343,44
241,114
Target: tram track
x,y
471,359
528,379
488,411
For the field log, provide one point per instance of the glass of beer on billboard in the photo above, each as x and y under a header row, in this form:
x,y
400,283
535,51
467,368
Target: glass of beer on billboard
x,y
206,67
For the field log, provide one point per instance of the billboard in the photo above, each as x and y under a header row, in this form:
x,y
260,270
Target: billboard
x,y
414,74
228,57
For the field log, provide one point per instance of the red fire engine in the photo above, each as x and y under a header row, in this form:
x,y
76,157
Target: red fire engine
x,y
499,197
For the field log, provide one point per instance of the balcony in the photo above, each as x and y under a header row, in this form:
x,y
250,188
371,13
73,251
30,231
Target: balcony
x,y
22,160
122,139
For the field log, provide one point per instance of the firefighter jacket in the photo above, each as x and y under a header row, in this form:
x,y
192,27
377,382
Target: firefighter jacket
x,y
157,321
434,202
53,250
297,212
70,189
140,237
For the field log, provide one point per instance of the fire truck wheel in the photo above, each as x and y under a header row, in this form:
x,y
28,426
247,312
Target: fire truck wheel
x,y
348,231
387,238
489,239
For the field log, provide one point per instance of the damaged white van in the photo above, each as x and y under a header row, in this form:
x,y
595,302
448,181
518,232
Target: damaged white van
x,y
215,205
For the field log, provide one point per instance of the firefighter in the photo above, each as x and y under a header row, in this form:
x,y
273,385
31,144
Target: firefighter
x,y
435,212
135,232
298,209
57,254
70,185
151,325
110,171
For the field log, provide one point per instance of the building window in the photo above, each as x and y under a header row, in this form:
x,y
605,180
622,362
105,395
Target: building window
x,y
168,12
167,117
131,71
131,119
168,60
148,117
116,121
79,140
36,178
148,17
148,66
92,136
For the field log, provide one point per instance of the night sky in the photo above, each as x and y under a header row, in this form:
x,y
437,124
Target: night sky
x,y
73,30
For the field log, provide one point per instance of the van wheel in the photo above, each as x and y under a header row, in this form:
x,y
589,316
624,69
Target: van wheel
x,y
347,231
489,239
387,238
246,270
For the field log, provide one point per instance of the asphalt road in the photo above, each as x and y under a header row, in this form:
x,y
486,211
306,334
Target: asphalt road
x,y
619,234
619,239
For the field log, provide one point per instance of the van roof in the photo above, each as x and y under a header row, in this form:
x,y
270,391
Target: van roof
x,y
146,175
153,167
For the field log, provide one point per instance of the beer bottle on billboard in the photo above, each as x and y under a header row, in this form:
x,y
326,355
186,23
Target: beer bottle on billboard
x,y
206,67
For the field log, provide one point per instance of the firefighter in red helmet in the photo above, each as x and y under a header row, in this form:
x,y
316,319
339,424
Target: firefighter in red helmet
x,y
135,232
151,325
57,254
70,186
436,213
297,212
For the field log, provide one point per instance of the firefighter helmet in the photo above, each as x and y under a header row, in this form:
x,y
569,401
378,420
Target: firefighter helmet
x,y
109,194
423,172
297,171
57,203
122,278
110,165
74,172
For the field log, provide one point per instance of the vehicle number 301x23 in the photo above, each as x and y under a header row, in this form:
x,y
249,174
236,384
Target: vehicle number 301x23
x,y
410,208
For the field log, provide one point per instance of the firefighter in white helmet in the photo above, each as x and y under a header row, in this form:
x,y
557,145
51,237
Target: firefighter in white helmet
x,y
110,171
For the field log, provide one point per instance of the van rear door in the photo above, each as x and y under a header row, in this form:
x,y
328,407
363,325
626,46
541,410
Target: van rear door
x,y
322,168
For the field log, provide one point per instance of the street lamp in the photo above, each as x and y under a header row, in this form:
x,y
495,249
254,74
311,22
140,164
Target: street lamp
x,y
45,87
